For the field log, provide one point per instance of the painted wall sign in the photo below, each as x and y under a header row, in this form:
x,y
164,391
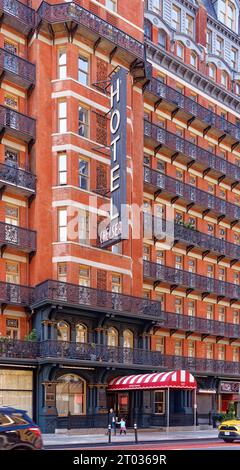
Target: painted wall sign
x,y
117,228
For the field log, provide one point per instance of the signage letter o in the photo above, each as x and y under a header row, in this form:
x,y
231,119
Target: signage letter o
x,y
115,127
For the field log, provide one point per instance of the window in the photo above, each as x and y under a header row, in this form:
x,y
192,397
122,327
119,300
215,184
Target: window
x,y
236,317
83,173
209,41
193,59
116,283
11,157
179,217
222,193
235,354
127,339
219,46
227,13
192,180
83,121
210,313
238,88
12,328
16,389
212,71
62,117
160,298
161,166
12,215
159,402
210,229
178,347
71,395
189,22
192,222
159,257
221,352
12,272
10,46
111,5
63,331
11,101
162,38
147,160
191,308
176,18
62,169
191,266
84,276
81,333
62,272
62,225
160,346
178,262
221,314
83,70
146,252
224,79
221,274
180,50
83,227
236,278
62,64
148,29
178,306
209,270
191,348
234,57
146,294
156,6
209,350
179,175
112,337
222,233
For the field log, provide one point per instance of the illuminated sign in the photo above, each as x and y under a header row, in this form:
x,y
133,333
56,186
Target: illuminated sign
x,y
117,229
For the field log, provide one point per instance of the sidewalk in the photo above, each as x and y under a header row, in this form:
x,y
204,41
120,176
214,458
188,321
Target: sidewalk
x,y
143,436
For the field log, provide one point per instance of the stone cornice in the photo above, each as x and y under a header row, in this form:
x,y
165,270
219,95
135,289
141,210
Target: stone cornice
x,y
192,76
224,30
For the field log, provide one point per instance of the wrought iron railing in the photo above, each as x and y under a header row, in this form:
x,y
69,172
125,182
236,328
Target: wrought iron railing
x,y
15,294
19,237
188,280
87,297
10,348
161,90
156,227
16,65
194,152
17,177
19,12
17,122
191,194
194,364
201,325
62,12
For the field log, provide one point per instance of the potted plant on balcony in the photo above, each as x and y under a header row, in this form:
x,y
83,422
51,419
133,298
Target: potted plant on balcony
x,y
3,341
32,336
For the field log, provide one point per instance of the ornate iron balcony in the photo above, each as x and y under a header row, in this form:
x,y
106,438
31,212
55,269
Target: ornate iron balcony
x,y
160,183
97,29
200,325
190,281
95,299
17,237
163,92
17,70
155,227
17,179
17,124
17,349
18,15
194,364
191,152
15,294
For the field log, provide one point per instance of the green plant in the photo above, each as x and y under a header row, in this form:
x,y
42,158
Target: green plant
x,y
230,411
32,336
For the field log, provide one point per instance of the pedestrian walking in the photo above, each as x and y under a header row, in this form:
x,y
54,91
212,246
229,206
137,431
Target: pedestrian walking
x,y
112,420
123,429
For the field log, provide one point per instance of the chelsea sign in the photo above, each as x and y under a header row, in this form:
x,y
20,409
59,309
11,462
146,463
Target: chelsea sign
x,y
117,228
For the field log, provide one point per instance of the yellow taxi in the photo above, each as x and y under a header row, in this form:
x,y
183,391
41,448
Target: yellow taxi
x,y
229,430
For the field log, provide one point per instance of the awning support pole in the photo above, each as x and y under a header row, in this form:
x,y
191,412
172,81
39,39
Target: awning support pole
x,y
195,407
168,397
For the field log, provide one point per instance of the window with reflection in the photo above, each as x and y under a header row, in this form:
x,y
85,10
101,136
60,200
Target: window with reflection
x,y
159,402
112,337
63,331
71,395
127,339
162,38
81,333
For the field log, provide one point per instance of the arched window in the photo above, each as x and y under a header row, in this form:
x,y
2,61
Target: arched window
x,y
63,331
128,339
224,79
148,29
71,395
112,337
193,59
180,50
227,13
212,71
81,333
162,38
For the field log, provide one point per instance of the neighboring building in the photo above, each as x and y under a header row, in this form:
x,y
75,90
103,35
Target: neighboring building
x,y
145,304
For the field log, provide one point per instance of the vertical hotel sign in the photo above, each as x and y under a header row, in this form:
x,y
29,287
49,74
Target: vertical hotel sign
x,y
117,228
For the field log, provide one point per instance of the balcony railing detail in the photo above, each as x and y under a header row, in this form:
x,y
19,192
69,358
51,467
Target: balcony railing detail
x,y
10,348
200,325
194,152
60,13
13,64
17,123
15,294
10,175
97,299
161,90
157,227
188,280
18,237
18,15
191,194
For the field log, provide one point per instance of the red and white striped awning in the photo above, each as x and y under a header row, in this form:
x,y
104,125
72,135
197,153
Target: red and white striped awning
x,y
175,379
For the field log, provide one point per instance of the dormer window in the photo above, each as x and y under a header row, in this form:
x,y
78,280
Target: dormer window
x,y
227,13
